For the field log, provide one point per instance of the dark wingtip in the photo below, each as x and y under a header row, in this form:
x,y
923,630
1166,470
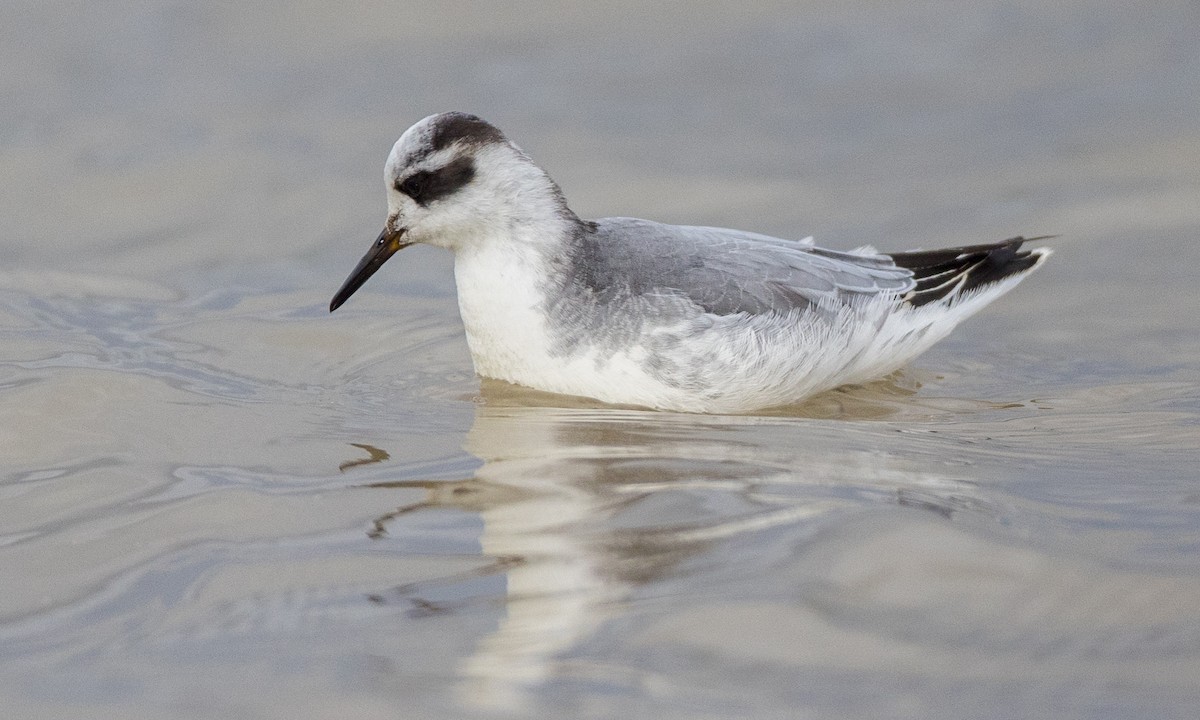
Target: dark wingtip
x,y
950,272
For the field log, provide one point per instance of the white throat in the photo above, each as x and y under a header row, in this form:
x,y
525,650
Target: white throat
x,y
502,294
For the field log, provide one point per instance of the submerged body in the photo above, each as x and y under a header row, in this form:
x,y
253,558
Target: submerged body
x,y
673,317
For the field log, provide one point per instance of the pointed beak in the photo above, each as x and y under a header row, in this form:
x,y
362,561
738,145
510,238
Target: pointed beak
x,y
383,248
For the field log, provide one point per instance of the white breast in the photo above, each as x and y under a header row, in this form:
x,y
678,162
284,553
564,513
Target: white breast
x,y
499,298
502,299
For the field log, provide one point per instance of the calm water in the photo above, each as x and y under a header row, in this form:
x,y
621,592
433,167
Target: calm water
x,y
217,500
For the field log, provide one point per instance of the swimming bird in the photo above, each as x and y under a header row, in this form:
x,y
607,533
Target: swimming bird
x,y
629,311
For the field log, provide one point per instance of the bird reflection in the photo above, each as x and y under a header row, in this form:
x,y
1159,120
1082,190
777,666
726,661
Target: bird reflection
x,y
374,455
580,505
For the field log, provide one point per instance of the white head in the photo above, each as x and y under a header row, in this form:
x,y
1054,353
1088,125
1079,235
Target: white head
x,y
454,180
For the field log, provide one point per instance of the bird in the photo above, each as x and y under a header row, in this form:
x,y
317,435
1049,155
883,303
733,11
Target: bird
x,y
668,317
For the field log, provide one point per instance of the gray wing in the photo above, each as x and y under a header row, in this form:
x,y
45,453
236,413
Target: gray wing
x,y
730,271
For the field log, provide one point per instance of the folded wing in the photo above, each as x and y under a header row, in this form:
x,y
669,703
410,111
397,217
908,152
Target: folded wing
x,y
730,271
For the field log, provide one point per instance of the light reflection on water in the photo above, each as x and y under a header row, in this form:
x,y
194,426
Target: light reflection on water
x,y
927,540
593,515
580,507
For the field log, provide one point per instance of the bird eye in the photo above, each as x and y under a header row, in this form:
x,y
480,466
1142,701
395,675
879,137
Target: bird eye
x,y
413,186
427,186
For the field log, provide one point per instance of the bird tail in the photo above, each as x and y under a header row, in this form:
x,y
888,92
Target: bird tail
x,y
951,273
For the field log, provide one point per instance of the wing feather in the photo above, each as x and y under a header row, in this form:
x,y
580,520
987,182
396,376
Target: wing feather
x,y
731,271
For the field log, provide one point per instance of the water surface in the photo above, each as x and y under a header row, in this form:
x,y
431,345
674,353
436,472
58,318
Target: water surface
x,y
219,501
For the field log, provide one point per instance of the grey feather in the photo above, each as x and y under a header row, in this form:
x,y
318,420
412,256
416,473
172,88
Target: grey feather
x,y
725,271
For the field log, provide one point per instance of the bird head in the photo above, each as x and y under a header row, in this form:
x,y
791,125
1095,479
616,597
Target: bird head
x,y
453,180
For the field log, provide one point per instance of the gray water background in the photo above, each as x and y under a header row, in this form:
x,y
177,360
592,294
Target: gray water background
x,y
216,500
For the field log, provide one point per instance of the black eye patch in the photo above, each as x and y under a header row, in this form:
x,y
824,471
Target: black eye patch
x,y
429,186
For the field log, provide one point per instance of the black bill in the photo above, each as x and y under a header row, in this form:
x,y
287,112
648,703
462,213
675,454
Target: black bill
x,y
383,248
